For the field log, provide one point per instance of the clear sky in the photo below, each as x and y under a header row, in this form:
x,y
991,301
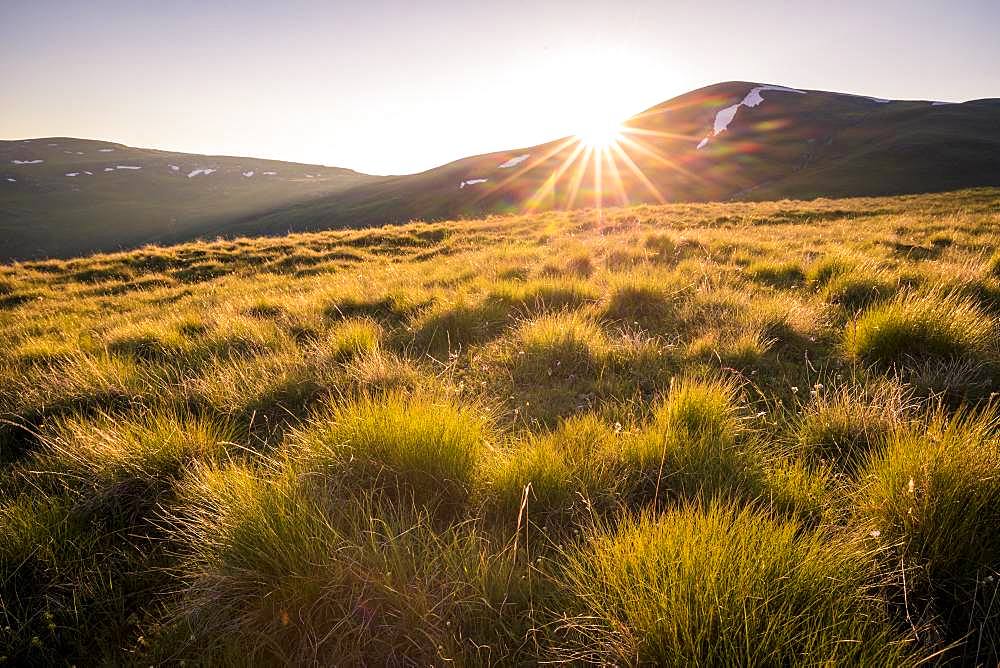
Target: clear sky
x,y
393,87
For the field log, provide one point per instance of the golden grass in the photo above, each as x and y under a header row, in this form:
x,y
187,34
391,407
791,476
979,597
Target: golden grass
x,y
678,434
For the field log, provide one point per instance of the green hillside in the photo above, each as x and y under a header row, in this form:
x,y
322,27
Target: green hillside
x,y
685,434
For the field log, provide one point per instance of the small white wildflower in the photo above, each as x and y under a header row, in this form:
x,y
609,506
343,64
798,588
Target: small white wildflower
x,y
795,390
618,427
875,533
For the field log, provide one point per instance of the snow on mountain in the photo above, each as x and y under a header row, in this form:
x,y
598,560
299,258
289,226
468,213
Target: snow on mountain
x,y
513,162
725,116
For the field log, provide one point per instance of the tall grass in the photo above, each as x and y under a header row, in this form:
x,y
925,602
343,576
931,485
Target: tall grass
x,y
277,573
572,471
917,325
725,586
933,495
413,447
710,434
692,445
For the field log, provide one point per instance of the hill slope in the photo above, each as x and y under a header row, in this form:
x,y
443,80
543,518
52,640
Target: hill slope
x,y
737,140
61,196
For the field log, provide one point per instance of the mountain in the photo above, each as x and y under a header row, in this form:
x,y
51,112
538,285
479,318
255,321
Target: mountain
x,y
735,140
63,196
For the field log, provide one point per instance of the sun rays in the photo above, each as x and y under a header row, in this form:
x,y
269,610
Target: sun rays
x,y
605,164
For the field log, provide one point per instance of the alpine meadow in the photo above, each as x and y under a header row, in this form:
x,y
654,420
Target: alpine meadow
x,y
563,333
684,434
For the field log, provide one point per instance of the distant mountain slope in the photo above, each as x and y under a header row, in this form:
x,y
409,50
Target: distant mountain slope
x,y
62,196
735,140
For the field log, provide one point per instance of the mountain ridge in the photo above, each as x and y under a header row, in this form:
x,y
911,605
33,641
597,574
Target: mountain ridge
x,y
730,140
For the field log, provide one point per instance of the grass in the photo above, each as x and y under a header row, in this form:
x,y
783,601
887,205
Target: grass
x,y
728,586
933,495
711,434
694,446
641,301
921,325
847,423
776,274
858,289
573,470
415,448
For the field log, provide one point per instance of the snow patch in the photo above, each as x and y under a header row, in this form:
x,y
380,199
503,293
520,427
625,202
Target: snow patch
x,y
11,180
248,174
269,173
27,162
202,170
725,116
471,182
174,168
73,174
89,173
513,162
754,97
109,169
938,104
105,150
127,167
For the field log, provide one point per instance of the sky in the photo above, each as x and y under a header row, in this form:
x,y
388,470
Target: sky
x,y
389,87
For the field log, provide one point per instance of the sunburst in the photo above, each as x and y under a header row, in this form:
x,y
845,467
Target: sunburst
x,y
598,166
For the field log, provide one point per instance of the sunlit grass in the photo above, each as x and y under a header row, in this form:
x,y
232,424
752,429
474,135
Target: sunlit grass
x,y
678,434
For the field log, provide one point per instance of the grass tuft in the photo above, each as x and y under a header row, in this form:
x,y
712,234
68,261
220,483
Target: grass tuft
x,y
727,586
411,447
920,325
777,274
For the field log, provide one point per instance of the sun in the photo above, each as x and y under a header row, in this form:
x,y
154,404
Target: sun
x,y
600,133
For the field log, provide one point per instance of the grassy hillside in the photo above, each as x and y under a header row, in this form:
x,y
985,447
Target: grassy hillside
x,y
716,434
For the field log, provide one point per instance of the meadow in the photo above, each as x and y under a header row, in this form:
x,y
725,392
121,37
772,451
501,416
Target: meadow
x,y
691,434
